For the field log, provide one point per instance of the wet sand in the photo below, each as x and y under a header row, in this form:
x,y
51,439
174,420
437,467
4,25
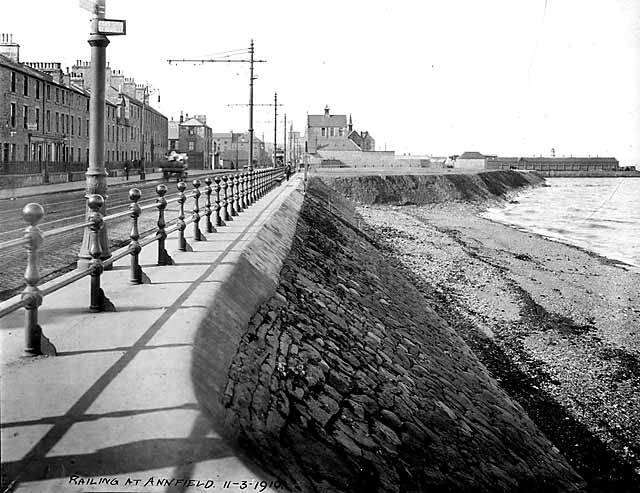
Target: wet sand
x,y
557,326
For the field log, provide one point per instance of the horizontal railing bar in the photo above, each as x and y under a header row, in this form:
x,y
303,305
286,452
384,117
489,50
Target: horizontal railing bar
x,y
116,215
171,230
115,258
12,243
73,278
64,229
13,307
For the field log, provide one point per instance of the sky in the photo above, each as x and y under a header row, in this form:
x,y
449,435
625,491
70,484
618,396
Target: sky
x,y
429,77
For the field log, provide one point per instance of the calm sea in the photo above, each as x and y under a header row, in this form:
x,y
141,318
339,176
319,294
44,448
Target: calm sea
x,y
598,214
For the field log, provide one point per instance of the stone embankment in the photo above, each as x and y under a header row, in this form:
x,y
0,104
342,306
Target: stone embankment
x,y
346,380
428,189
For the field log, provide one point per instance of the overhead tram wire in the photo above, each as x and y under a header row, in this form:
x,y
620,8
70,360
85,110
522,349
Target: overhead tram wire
x,y
226,59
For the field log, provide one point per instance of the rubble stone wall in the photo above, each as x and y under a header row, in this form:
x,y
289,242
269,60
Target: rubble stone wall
x,y
346,380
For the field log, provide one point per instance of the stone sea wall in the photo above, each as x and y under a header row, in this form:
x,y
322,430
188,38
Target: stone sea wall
x,y
346,380
427,189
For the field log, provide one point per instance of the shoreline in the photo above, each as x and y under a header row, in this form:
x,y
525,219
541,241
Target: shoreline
x,y
563,319
603,258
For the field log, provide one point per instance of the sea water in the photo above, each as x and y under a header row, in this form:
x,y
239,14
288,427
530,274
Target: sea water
x,y
598,214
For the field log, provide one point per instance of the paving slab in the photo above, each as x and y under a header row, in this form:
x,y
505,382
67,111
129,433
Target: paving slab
x,y
116,410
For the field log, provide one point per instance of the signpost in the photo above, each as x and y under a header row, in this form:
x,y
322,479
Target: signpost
x,y
96,172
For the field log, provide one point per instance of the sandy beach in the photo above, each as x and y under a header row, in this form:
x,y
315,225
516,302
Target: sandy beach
x,y
558,327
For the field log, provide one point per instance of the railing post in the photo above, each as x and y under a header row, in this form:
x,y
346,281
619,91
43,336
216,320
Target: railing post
x,y
225,201
218,211
161,204
250,198
243,192
134,247
207,208
236,181
99,301
182,198
197,234
232,195
32,213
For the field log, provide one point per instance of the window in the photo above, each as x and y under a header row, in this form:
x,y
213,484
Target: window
x,y
324,132
79,132
13,115
25,116
87,128
63,96
57,122
57,94
73,130
13,82
72,154
48,92
37,89
48,121
25,85
67,124
37,118
62,123
341,132
191,146
331,131
25,152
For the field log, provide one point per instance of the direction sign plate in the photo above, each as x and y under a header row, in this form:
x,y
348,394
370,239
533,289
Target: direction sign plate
x,y
110,26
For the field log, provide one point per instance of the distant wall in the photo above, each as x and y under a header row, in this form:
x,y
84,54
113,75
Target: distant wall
x,y
470,163
361,159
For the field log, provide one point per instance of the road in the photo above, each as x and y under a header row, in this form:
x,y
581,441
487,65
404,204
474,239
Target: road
x,y
59,253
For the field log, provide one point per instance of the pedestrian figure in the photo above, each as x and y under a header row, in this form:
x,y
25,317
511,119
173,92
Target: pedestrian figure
x,y
287,171
126,170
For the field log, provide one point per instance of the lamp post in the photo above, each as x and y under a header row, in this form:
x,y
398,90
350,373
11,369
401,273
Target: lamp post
x,y
145,92
96,172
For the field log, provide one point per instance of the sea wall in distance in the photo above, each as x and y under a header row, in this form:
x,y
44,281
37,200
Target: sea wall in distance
x,y
431,188
345,379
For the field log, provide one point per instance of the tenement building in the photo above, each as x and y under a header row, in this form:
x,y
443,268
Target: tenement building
x,y
193,137
232,150
44,115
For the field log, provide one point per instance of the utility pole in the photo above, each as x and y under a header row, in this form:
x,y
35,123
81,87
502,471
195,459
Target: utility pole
x,y
275,129
275,104
250,61
284,141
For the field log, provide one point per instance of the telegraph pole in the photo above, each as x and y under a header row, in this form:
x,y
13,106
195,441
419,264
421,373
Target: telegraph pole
x,y
275,129
250,61
284,141
275,104
251,79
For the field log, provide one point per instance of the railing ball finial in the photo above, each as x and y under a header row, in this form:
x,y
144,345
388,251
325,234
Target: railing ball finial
x,y
161,190
135,194
181,186
32,213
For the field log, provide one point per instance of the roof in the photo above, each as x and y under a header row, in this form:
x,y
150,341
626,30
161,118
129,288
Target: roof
x,y
193,122
326,121
25,68
471,155
356,139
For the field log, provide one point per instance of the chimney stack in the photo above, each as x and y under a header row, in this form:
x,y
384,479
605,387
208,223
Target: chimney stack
x,y
8,48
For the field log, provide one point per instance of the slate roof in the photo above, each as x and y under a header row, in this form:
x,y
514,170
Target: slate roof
x,y
326,121
471,155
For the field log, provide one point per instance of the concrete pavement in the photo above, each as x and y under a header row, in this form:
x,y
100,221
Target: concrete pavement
x,y
116,410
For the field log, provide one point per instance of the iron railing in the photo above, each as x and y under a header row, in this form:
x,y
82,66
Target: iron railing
x,y
225,196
